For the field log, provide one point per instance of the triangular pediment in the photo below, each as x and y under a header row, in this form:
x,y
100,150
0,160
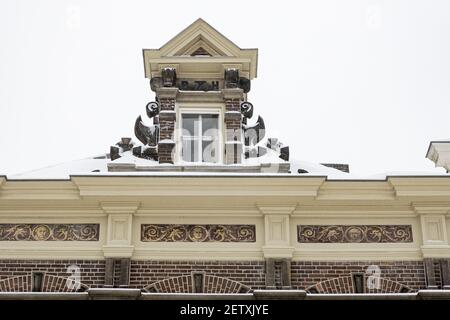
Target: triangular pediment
x,y
200,51
200,34
200,41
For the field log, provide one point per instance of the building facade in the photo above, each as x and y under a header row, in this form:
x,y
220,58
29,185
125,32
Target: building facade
x,y
205,202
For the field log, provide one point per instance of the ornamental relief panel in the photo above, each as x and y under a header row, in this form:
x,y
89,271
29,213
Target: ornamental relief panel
x,y
197,233
354,233
49,232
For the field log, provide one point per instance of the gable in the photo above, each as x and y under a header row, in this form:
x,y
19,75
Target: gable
x,y
200,46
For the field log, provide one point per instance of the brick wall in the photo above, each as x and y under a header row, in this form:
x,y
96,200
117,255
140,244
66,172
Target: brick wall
x,y
233,119
249,273
166,129
305,274
92,271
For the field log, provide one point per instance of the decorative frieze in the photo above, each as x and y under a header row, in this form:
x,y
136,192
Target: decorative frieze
x,y
197,233
354,233
49,232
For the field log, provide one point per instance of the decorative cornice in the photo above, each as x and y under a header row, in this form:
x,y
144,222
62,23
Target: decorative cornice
x,y
426,187
38,190
122,251
203,186
335,253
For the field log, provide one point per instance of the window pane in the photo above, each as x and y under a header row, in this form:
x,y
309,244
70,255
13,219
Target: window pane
x,y
190,125
209,151
193,141
190,150
210,125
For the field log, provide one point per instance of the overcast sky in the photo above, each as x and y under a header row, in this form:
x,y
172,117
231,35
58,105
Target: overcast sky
x,y
359,82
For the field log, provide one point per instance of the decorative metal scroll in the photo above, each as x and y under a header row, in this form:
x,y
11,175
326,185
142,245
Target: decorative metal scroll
x,y
197,233
49,232
354,233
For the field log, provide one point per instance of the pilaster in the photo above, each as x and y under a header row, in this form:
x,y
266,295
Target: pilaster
x,y
167,117
119,229
233,118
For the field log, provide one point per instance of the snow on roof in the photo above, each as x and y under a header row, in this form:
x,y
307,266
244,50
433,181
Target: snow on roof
x,y
99,166
64,170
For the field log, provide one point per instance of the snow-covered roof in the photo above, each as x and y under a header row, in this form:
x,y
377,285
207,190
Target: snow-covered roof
x,y
98,166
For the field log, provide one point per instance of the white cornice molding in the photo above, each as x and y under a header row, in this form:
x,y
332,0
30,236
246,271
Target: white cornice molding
x,y
119,251
356,190
39,189
431,188
436,251
205,254
51,253
197,186
354,254
367,211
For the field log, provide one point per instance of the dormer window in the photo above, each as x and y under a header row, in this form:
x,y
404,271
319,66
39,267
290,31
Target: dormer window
x,y
200,137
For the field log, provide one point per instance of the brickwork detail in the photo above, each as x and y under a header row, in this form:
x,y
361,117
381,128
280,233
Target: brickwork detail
x,y
184,284
305,274
346,285
50,283
167,120
92,272
15,275
233,119
53,283
250,274
16,284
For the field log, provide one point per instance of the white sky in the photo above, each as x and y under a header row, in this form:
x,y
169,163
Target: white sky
x,y
359,82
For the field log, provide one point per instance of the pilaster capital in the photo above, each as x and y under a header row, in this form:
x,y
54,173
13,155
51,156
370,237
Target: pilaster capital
x,y
276,210
167,92
120,207
233,93
438,208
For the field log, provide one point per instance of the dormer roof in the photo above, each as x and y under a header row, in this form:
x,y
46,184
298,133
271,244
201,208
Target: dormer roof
x,y
203,50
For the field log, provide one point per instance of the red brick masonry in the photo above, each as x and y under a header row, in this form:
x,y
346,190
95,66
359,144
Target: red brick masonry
x,y
306,273
248,273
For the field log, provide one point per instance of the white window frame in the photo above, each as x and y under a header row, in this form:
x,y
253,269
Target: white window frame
x,y
199,108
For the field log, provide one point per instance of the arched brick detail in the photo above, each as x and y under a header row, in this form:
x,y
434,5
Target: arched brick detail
x,y
16,284
50,283
184,284
214,284
345,285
